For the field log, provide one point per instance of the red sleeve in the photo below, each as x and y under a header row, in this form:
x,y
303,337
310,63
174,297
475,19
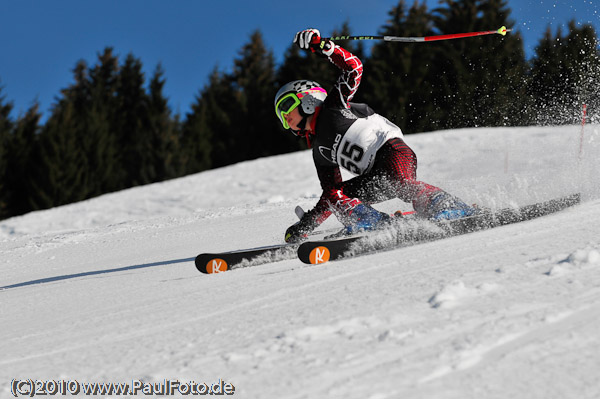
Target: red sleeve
x,y
347,83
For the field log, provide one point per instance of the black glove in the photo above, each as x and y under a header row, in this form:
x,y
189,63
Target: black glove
x,y
299,230
310,39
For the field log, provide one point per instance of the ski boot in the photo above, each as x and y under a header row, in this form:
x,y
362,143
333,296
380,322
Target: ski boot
x,y
444,206
365,218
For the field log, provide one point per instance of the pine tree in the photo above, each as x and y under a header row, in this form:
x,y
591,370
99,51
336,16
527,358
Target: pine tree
x,y
253,78
132,126
478,81
232,119
396,82
105,133
99,139
564,74
547,84
60,168
68,125
163,130
205,131
583,65
6,126
21,160
506,70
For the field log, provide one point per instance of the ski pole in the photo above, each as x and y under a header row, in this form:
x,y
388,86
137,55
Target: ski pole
x,y
502,31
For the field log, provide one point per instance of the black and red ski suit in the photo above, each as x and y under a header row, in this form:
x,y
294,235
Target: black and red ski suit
x,y
353,136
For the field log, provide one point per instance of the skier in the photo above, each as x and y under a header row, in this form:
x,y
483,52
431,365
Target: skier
x,y
353,136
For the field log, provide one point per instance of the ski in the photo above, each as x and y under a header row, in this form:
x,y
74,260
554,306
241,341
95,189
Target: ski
x,y
407,231
209,263
218,262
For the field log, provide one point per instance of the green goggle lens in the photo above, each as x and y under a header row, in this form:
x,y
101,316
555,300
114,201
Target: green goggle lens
x,y
286,105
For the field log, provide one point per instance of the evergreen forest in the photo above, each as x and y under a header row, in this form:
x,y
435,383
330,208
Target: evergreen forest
x,y
112,128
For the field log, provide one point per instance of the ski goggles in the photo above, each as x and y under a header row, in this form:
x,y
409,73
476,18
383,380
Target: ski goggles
x,y
285,105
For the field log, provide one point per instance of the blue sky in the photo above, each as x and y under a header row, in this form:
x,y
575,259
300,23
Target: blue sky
x,y
42,40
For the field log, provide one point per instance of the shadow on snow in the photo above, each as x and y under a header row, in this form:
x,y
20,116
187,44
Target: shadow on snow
x,y
95,273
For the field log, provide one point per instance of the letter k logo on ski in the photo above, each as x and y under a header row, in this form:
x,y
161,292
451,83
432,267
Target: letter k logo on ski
x,y
319,255
216,266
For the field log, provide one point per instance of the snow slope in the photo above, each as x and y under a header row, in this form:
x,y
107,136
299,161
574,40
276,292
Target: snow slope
x,y
106,290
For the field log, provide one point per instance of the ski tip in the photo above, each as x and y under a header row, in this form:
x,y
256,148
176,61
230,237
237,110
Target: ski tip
x,y
314,254
210,265
502,31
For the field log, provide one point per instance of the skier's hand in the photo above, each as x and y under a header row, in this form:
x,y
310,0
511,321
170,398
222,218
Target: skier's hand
x,y
310,39
307,39
299,231
295,233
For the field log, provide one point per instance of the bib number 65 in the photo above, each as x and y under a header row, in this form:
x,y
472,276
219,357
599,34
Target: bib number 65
x,y
350,157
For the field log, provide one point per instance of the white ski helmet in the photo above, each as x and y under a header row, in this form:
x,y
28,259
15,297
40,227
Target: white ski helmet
x,y
306,93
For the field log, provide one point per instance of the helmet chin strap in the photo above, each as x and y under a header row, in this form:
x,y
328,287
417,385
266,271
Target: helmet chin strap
x,y
302,123
301,132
